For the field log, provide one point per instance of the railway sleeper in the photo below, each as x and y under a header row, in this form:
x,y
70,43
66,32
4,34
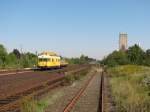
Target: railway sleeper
x,y
8,100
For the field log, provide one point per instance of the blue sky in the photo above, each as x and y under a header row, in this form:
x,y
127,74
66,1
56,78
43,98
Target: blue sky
x,y
73,27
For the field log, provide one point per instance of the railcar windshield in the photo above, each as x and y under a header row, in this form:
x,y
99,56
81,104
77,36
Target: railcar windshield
x,y
43,59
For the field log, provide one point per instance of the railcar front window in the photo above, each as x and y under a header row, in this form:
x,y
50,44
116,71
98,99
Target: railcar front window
x,y
43,60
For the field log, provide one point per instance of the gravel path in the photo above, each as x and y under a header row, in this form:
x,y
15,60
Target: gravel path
x,y
61,97
90,99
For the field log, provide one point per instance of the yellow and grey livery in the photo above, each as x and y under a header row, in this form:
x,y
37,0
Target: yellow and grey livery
x,y
50,60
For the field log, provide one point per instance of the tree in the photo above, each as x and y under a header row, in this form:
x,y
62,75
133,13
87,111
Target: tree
x,y
135,54
84,59
116,58
148,52
28,60
11,59
120,57
146,60
3,54
17,53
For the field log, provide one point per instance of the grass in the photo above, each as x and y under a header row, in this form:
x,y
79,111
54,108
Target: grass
x,y
70,78
130,88
28,104
32,105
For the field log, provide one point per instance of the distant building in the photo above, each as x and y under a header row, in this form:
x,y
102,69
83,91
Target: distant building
x,y
123,41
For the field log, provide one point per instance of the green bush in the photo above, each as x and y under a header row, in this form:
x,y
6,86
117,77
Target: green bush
x,y
16,59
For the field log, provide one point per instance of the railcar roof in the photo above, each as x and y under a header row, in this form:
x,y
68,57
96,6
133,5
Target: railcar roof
x,y
48,56
48,53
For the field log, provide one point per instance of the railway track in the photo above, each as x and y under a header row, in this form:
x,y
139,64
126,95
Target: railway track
x,y
13,72
20,71
80,93
11,102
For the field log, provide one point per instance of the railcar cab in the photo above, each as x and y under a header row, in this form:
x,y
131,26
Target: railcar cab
x,y
48,60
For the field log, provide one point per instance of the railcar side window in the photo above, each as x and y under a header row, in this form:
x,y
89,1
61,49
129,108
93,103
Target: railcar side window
x,y
49,59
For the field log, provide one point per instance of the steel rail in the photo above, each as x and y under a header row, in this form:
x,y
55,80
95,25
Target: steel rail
x,y
101,95
77,96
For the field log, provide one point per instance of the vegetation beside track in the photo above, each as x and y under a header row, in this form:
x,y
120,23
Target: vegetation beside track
x,y
70,78
130,85
29,104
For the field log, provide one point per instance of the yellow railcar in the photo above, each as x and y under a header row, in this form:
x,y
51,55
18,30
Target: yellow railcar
x,y
48,60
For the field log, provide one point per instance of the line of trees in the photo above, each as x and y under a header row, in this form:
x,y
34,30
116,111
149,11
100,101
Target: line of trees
x,y
134,55
81,60
15,59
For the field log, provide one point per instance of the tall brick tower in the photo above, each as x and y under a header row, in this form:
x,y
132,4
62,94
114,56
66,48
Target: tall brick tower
x,y
123,40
